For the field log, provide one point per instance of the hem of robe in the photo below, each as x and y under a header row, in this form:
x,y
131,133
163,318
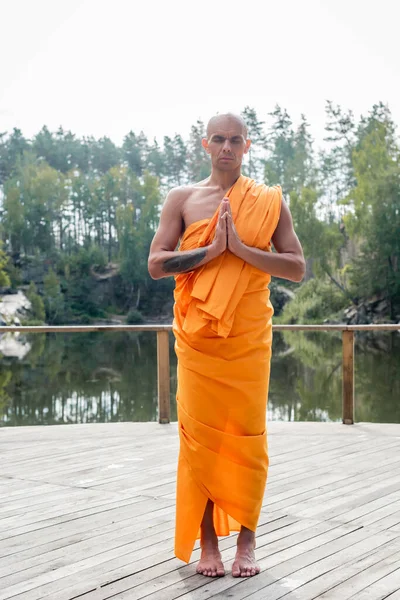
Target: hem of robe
x,y
224,523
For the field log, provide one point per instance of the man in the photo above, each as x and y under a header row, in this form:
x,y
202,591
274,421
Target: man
x,y
222,325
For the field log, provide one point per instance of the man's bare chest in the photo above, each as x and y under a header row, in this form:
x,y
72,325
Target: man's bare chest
x,y
201,204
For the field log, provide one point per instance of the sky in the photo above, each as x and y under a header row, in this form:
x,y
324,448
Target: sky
x,y
104,68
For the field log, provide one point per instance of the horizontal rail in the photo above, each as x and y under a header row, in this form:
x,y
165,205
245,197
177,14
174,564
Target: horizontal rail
x,y
140,328
163,374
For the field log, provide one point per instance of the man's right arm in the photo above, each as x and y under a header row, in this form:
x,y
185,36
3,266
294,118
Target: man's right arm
x,y
164,260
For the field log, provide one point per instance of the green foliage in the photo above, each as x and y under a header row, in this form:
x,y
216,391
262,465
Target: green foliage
x,y
14,274
134,317
78,284
5,399
175,159
53,299
375,215
37,310
199,165
32,322
85,207
4,275
314,301
255,131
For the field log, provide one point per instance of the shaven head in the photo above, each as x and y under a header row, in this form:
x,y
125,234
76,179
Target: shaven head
x,y
226,141
226,119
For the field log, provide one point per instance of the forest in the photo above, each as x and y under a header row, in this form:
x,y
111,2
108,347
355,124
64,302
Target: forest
x,y
77,216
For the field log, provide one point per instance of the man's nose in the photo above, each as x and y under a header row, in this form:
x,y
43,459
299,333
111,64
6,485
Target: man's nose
x,y
227,146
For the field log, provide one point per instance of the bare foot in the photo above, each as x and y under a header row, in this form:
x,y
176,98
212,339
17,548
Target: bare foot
x,y
210,563
245,564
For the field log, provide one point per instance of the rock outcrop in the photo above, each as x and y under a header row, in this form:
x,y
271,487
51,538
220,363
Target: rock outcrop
x,y
13,307
372,310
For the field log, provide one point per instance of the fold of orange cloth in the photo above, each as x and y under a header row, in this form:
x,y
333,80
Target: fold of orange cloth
x,y
223,336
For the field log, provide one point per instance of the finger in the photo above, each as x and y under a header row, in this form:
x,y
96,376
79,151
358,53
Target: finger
x,y
231,222
228,226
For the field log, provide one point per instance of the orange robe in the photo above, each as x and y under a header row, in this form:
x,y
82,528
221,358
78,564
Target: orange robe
x,y
223,336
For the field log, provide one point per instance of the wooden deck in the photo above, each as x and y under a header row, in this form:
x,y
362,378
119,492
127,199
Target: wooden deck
x,y
87,511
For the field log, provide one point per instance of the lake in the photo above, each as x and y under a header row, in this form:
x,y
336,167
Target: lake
x,y
104,377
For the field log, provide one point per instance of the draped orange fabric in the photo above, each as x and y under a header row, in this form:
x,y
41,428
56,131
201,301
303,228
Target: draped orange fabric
x,y
223,336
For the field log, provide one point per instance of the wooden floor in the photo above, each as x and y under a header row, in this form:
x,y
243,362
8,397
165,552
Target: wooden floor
x,y
87,511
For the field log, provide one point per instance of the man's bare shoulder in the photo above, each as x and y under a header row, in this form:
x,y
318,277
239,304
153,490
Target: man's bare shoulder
x,y
179,194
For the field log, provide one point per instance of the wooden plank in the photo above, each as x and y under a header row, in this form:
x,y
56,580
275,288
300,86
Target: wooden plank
x,y
274,569
303,576
392,595
164,408
105,526
140,566
123,556
348,377
382,589
364,575
325,584
91,517
168,327
379,494
302,535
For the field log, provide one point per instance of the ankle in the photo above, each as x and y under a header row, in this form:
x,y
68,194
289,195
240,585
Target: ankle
x,y
246,540
209,540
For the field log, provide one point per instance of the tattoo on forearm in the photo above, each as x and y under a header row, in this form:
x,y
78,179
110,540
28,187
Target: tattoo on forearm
x,y
183,262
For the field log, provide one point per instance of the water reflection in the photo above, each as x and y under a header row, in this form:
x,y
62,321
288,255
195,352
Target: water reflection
x,y
104,377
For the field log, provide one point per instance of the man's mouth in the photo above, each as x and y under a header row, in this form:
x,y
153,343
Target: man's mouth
x,y
226,158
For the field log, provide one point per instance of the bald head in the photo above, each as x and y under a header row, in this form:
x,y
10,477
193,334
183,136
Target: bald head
x,y
226,120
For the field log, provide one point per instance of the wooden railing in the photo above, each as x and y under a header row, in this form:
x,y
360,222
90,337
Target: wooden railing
x,y
163,377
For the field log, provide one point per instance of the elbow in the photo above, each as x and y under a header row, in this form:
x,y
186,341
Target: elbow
x,y
300,270
153,269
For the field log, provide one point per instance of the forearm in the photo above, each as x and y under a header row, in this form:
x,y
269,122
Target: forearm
x,y
166,263
285,265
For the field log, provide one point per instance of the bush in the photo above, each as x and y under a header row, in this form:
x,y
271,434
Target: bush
x,y
37,310
13,275
31,322
134,317
315,301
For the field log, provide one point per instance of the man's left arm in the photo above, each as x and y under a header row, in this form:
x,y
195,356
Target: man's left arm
x,y
288,260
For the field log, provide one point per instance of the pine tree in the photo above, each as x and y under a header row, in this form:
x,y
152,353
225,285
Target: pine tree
x,y
255,132
199,166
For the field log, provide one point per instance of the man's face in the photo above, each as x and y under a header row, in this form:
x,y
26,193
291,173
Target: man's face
x,y
226,144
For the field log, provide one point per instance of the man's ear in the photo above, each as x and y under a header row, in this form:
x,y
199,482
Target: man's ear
x,y
204,143
247,147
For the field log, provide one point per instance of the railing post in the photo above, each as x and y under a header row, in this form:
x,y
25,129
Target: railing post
x,y
164,409
348,377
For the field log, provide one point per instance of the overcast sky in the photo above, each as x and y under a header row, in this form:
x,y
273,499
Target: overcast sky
x,y
99,67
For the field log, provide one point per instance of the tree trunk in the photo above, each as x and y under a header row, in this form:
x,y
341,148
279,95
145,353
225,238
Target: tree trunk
x,y
341,288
